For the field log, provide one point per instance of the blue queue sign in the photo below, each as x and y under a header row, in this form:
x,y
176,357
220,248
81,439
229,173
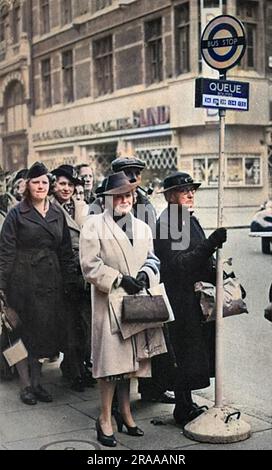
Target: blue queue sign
x,y
221,94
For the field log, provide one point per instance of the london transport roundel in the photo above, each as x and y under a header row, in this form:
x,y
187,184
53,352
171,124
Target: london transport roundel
x,y
223,42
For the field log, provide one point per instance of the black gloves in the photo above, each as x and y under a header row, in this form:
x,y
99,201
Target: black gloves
x,y
130,285
218,237
143,279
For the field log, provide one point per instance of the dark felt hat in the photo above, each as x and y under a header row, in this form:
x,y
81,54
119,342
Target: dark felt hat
x,y
23,173
69,172
36,170
178,180
124,163
118,183
101,188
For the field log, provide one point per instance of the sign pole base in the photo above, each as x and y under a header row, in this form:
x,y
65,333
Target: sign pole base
x,y
218,425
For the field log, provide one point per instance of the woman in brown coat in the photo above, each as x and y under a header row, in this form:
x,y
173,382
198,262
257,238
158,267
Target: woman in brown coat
x,y
116,254
35,253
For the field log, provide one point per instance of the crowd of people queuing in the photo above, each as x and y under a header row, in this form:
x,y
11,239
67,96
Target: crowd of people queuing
x,y
69,254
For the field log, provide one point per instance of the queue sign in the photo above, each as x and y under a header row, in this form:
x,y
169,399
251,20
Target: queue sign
x,y
221,94
223,42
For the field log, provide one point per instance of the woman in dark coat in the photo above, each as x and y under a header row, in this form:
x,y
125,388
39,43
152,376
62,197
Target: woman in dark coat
x,y
35,254
181,267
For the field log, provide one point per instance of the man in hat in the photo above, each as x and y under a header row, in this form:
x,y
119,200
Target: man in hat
x,y
186,257
78,334
142,207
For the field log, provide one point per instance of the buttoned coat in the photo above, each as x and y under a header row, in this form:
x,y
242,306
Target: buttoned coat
x,y
193,341
35,260
105,253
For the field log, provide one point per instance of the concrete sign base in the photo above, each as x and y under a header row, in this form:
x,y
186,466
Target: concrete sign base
x,y
218,425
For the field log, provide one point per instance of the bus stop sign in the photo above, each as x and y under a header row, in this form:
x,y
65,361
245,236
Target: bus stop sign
x,y
223,42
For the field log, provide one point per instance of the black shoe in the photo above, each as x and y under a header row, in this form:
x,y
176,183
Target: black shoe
x,y
27,396
131,430
105,440
184,417
77,385
42,395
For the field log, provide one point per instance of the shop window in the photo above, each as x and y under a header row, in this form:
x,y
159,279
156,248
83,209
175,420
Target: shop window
x,y
182,35
68,80
44,16
46,83
103,57
154,54
239,171
15,108
66,11
247,11
206,170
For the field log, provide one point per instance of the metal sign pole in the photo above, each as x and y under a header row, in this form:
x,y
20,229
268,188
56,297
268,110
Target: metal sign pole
x,y
222,46
219,352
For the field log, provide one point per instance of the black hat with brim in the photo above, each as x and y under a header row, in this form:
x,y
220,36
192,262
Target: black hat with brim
x,y
69,172
118,183
124,163
178,180
35,171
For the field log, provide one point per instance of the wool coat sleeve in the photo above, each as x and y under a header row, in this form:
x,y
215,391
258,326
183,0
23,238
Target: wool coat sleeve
x,y
94,270
152,264
8,246
66,256
184,262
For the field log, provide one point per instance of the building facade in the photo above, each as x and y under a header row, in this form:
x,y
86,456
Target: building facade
x,y
15,73
111,73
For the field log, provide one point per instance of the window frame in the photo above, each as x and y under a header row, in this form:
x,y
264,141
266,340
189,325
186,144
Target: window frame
x,y
103,65
46,79
154,50
68,75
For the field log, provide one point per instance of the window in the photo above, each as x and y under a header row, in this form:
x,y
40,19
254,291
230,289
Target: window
x,y
15,108
46,83
3,23
182,38
248,13
68,80
16,24
100,4
154,63
66,11
45,16
239,171
103,57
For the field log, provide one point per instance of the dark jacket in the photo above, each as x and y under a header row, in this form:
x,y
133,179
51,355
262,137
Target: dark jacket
x,y
192,341
35,260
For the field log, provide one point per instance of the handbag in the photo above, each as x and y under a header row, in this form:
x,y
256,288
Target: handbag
x,y
15,353
144,308
233,303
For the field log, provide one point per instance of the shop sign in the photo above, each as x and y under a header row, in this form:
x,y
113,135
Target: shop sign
x,y
141,119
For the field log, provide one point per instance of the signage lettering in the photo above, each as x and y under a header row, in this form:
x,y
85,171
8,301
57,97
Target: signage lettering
x,y
150,117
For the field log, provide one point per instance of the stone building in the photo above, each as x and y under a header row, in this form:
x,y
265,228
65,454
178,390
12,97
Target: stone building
x,y
111,74
15,73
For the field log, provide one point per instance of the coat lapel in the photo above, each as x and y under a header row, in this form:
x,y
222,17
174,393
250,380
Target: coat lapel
x,y
121,238
31,214
70,221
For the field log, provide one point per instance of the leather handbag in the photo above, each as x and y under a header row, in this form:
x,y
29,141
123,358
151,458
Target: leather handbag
x,y
144,308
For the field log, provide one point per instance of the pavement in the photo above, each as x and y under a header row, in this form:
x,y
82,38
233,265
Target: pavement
x,y
68,423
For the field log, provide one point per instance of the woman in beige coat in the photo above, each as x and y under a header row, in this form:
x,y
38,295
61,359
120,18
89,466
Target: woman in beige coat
x,y
116,255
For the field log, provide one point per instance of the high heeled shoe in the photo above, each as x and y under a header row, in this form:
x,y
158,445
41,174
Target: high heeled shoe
x,y
131,430
105,440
